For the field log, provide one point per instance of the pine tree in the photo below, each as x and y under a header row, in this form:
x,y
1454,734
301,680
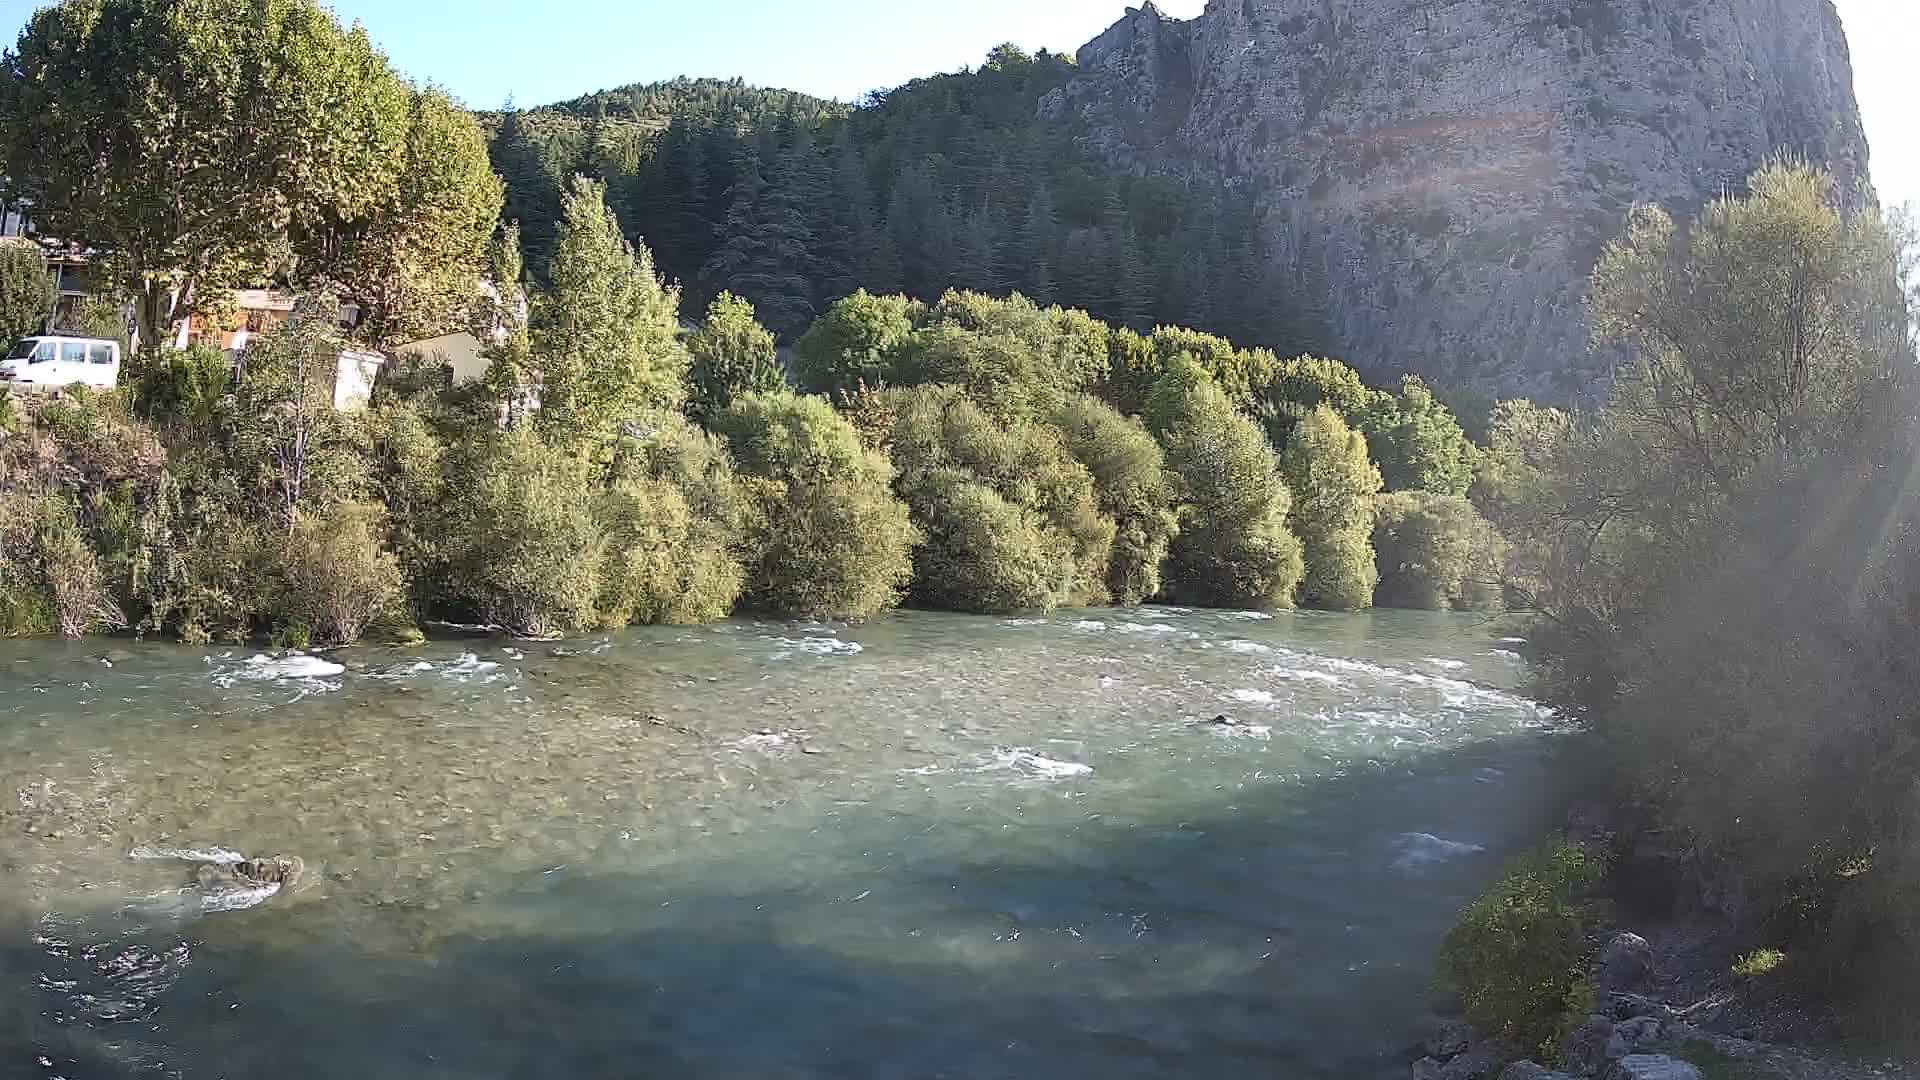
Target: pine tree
x,y
606,337
974,264
1038,249
766,244
921,228
845,229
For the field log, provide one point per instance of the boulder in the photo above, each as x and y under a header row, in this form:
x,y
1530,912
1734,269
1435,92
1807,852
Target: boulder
x,y
1639,1029
1625,1006
1480,1062
1626,963
1653,1067
1527,1070
1451,1039
1593,1046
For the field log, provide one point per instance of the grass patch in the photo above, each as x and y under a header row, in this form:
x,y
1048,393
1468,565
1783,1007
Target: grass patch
x,y
1759,962
1713,1063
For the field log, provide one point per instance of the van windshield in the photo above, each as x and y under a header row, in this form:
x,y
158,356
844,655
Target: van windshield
x,y
22,349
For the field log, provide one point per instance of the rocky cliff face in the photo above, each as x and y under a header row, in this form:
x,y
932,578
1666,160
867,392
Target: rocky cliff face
x,y
1448,170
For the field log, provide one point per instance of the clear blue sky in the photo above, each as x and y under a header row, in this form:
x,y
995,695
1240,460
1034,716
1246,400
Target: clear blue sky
x,y
549,50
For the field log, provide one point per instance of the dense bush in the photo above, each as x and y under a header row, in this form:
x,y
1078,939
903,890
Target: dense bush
x,y
1010,518
339,576
732,355
854,342
1131,482
1518,955
27,292
1234,546
1724,556
523,548
830,540
1436,552
1333,487
1417,442
672,515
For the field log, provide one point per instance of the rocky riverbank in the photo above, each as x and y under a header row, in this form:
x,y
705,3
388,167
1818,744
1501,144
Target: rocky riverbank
x,y
1671,1005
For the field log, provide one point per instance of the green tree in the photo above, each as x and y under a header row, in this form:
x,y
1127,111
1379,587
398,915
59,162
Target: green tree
x,y
1134,489
672,515
1297,386
1011,519
1333,485
606,334
1435,552
832,541
523,549
1234,546
766,243
1417,442
27,292
200,146
417,258
732,355
854,342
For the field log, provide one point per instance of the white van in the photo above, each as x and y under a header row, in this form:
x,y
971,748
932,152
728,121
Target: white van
x,y
54,360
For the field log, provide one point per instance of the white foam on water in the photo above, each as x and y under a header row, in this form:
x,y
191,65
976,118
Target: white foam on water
x,y
1262,732
293,667
1419,849
1507,654
1093,626
1444,664
1249,648
1513,641
1247,616
237,899
815,646
1149,628
1022,760
468,666
1023,622
1252,697
1324,678
209,854
765,740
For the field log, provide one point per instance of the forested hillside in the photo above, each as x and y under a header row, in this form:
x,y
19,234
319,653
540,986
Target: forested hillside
x,y
949,181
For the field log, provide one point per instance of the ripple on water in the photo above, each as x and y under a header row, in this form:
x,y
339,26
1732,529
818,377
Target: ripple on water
x,y
1011,830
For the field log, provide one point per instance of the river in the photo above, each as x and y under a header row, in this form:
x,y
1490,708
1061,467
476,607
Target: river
x,y
932,845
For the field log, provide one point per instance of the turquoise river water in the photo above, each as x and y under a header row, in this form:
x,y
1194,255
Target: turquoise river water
x,y
930,846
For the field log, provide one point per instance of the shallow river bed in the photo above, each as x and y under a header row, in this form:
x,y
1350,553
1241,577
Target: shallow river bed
x,y
933,845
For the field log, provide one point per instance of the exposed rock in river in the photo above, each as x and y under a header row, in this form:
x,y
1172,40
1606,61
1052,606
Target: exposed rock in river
x,y
1447,171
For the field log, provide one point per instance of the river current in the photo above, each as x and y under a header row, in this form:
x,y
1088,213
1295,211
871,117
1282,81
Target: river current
x,y
929,846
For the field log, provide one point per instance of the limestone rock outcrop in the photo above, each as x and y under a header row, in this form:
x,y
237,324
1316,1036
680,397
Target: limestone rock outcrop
x,y
1447,171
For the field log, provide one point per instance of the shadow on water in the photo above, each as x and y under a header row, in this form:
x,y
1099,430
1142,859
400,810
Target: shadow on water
x,y
1197,946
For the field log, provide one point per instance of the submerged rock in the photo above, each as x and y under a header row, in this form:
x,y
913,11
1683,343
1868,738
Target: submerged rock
x,y
1528,1070
1653,1067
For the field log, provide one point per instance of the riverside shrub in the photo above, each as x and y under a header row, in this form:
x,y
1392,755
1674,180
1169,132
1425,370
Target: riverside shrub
x,y
1131,482
339,576
829,537
1234,547
672,513
1435,552
524,550
1333,486
1010,518
1517,955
